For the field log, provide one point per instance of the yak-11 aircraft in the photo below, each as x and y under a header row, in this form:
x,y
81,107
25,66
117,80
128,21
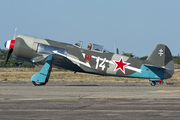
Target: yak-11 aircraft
x,y
95,60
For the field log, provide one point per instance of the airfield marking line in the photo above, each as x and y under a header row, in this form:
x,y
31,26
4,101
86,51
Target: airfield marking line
x,y
116,96
85,97
164,91
115,111
62,98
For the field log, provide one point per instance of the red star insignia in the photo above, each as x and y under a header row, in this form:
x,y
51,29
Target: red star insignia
x,y
120,65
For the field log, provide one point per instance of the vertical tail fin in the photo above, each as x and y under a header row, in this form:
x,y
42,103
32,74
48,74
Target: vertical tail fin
x,y
162,57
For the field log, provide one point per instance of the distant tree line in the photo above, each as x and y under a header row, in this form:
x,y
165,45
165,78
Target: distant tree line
x,y
12,62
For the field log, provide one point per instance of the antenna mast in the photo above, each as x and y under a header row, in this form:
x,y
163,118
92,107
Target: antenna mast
x,y
115,47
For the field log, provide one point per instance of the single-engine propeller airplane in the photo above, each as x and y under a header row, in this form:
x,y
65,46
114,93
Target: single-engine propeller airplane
x,y
95,60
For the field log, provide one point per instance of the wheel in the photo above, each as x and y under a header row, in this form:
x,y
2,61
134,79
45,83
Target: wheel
x,y
153,83
161,83
37,83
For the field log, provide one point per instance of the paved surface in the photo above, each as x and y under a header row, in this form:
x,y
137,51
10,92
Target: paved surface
x,y
77,100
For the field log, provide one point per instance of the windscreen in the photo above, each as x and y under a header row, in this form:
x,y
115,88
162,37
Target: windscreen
x,y
46,49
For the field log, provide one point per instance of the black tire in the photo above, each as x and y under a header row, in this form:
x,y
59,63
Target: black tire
x,y
153,83
38,84
161,82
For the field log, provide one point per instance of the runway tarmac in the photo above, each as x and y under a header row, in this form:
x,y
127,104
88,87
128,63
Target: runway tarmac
x,y
91,100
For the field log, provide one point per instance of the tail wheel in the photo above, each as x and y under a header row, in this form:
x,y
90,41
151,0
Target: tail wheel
x,y
161,82
153,83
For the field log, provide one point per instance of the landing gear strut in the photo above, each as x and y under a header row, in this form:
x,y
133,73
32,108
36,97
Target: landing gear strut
x,y
42,77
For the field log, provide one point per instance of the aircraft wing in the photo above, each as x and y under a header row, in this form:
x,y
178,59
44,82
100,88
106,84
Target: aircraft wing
x,y
66,62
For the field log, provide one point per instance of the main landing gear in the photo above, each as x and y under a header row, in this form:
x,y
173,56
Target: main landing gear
x,y
38,83
42,77
153,83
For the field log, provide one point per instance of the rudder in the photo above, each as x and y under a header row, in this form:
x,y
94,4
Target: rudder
x,y
162,57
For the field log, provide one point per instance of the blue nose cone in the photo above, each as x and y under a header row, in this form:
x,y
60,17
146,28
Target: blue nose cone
x,y
5,44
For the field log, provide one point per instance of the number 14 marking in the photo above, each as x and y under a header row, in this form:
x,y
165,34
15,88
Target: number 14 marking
x,y
102,65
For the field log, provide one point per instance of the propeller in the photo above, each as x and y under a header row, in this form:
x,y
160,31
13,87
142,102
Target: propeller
x,y
10,45
15,34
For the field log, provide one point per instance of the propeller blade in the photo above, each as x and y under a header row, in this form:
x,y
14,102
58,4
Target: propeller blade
x,y
14,34
8,56
10,45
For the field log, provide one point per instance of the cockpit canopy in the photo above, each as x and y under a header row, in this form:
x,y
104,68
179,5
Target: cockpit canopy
x,y
78,44
95,47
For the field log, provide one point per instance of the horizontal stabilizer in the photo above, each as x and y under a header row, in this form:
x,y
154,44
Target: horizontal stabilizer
x,y
152,66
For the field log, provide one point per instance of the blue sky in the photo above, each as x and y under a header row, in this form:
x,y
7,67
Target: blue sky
x,y
136,25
